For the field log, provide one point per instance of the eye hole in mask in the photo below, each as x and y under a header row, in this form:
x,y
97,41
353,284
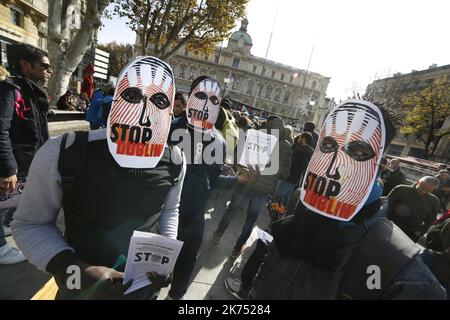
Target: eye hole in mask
x,y
214,100
160,100
132,95
328,145
201,95
359,150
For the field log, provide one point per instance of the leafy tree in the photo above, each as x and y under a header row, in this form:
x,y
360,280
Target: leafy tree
x,y
120,55
164,26
426,112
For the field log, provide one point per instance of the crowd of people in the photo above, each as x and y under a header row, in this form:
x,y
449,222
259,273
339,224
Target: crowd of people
x,y
151,160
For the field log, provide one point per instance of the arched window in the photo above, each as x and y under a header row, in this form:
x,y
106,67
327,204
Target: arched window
x,y
314,85
250,85
236,62
269,90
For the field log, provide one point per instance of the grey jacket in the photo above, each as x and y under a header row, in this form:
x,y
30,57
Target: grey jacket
x,y
34,226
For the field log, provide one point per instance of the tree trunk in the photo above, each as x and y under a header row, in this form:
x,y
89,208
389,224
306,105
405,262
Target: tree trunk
x,y
66,58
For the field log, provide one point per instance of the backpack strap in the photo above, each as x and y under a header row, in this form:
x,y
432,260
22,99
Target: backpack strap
x,y
385,246
71,162
174,156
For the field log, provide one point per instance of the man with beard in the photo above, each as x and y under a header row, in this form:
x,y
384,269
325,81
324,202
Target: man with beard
x,y
205,152
339,244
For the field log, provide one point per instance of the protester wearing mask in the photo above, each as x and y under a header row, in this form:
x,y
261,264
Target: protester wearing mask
x,y
327,250
110,182
205,152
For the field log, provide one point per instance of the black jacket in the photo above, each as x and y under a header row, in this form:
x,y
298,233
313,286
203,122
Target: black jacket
x,y
300,160
394,179
23,124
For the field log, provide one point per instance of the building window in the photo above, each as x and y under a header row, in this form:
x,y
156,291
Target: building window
x,y
314,85
250,85
216,59
236,62
260,89
269,92
255,68
264,71
395,150
193,73
416,152
16,16
287,95
273,74
186,52
206,57
282,77
3,56
235,82
277,95
182,71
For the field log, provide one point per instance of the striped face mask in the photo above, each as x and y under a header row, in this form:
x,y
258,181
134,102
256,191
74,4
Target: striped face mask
x,y
139,121
203,104
344,166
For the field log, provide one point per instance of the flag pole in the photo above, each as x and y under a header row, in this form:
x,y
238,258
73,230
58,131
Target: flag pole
x,y
265,59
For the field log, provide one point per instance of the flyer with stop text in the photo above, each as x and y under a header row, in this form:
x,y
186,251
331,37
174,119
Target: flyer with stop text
x,y
257,149
149,252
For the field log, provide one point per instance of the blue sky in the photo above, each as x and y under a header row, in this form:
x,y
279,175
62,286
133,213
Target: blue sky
x,y
355,41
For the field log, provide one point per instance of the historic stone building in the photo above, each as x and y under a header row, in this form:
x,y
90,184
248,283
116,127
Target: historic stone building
x,y
23,21
253,82
398,86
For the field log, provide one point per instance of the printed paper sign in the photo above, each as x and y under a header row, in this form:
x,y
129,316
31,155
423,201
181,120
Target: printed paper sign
x,y
257,150
264,236
149,252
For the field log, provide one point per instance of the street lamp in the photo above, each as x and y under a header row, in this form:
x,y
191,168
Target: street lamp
x,y
228,83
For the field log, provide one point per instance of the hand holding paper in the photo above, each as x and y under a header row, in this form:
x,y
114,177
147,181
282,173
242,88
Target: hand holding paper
x,y
151,257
